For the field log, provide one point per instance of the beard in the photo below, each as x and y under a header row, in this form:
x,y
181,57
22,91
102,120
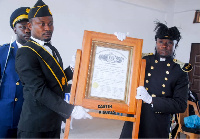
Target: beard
x,y
47,40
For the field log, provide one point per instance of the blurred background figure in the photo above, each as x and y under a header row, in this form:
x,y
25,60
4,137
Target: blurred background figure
x,y
11,95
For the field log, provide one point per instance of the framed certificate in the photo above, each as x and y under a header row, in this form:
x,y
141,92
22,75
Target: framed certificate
x,y
109,68
109,72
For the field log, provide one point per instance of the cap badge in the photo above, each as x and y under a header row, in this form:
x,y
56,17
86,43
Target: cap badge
x,y
27,10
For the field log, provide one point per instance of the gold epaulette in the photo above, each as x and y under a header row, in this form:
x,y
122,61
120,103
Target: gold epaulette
x,y
186,67
146,54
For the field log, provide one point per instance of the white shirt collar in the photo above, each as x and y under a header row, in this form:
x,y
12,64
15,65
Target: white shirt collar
x,y
162,58
18,44
42,44
38,41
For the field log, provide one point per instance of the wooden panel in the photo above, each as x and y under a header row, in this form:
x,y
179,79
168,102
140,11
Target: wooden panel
x,y
73,90
196,85
196,70
194,75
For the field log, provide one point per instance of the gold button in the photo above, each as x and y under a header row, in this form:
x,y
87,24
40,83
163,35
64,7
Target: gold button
x,y
163,85
167,72
147,88
149,74
166,78
152,67
163,92
147,81
168,65
156,61
153,95
16,99
17,83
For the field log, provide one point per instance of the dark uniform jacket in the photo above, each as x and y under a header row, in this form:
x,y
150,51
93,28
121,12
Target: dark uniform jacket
x,y
167,83
11,95
44,84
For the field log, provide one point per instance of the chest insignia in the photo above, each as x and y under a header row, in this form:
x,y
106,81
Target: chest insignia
x,y
63,81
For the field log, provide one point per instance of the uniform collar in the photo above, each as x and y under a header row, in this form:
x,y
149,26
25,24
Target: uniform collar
x,y
42,43
18,44
39,41
161,59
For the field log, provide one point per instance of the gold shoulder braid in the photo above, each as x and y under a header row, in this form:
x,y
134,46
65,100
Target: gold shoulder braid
x,y
146,54
186,67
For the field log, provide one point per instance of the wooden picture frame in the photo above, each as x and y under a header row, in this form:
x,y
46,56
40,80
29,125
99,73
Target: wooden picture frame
x,y
132,48
98,45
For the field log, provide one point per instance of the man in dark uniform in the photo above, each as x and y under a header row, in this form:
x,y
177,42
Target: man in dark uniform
x,y
11,95
40,69
165,89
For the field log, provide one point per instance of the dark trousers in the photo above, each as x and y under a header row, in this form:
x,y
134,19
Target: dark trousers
x,y
8,132
127,130
49,134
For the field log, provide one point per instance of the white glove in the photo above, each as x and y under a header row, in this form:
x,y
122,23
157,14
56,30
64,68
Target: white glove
x,y
79,113
143,94
72,64
63,127
121,36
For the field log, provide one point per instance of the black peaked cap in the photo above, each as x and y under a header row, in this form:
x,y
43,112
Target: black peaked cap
x,y
40,9
19,15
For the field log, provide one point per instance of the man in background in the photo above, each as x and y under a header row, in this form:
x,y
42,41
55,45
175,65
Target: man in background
x,y
11,95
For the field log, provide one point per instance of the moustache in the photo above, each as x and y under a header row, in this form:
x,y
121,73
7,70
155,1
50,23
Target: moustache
x,y
47,33
27,35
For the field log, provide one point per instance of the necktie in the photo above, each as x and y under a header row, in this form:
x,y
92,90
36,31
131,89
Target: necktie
x,y
55,53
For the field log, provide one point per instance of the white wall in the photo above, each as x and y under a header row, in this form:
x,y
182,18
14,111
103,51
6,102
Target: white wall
x,y
183,17
72,17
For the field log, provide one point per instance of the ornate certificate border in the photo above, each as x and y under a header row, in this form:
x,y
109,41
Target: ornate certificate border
x,y
109,68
